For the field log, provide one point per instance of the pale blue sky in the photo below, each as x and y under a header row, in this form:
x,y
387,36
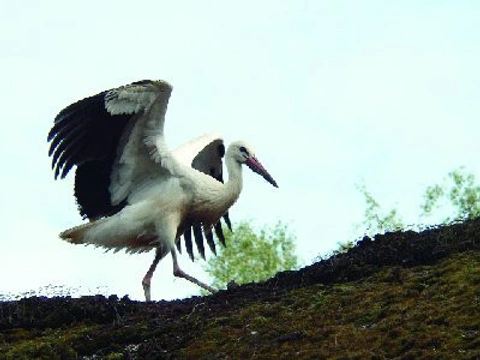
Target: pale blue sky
x,y
330,94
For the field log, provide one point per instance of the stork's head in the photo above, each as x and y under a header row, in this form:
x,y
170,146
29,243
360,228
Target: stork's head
x,y
243,153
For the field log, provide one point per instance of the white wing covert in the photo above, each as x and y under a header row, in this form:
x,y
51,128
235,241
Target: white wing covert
x,y
142,154
204,154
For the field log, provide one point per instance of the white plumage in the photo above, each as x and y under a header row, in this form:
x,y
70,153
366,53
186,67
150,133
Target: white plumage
x,y
137,194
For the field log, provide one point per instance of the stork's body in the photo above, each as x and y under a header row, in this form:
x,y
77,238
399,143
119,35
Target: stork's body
x,y
137,194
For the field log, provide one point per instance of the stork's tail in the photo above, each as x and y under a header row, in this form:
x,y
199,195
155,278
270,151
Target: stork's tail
x,y
76,235
109,234
132,229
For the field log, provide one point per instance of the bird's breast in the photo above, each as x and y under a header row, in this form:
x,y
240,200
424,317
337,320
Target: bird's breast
x,y
210,203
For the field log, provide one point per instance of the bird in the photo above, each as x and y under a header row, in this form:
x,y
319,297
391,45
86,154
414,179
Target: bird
x,y
136,193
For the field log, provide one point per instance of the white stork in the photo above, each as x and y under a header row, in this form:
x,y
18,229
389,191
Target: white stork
x,y
136,193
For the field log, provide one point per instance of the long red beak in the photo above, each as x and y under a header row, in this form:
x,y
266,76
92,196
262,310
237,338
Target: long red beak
x,y
257,167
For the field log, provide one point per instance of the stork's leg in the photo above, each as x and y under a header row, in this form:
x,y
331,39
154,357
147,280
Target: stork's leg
x,y
180,273
148,276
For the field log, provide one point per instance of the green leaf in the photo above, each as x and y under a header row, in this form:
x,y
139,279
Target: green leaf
x,y
251,256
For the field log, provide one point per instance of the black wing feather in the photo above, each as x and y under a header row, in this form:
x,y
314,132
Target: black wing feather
x,y
187,235
188,242
86,135
219,233
226,218
64,148
57,137
198,234
67,156
210,241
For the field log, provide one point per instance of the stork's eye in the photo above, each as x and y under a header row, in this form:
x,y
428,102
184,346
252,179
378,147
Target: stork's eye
x,y
243,150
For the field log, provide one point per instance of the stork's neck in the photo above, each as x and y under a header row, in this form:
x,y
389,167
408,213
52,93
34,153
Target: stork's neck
x,y
214,200
212,206
234,185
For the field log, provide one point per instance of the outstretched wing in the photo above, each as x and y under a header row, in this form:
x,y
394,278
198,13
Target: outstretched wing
x,y
115,139
204,154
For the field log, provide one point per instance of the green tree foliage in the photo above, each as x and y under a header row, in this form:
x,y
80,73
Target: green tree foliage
x,y
252,257
375,220
458,194
459,191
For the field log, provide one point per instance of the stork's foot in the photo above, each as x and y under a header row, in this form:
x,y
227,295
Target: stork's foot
x,y
180,273
148,276
146,288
